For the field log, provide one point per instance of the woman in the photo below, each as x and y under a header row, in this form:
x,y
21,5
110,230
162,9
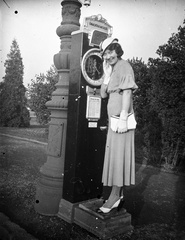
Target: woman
x,y
119,161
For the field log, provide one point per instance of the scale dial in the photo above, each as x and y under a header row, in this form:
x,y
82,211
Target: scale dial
x,y
92,67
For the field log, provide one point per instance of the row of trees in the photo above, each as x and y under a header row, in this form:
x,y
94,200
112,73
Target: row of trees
x,y
159,101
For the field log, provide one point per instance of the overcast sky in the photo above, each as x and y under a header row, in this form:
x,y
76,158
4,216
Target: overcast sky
x,y
140,25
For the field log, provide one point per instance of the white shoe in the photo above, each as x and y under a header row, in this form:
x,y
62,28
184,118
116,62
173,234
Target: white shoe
x,y
107,210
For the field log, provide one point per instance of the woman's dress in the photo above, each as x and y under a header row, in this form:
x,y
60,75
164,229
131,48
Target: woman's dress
x,y
119,160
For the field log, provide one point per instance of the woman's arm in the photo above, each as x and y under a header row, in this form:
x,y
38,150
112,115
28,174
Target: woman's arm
x,y
103,90
126,101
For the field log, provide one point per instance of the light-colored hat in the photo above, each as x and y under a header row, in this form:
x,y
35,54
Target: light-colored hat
x,y
106,43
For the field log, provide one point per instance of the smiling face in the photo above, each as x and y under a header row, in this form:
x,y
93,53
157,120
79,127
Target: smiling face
x,y
110,57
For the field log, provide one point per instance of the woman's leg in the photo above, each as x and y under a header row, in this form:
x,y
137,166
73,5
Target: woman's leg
x,y
114,197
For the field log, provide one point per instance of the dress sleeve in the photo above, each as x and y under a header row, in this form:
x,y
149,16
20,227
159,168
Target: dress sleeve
x,y
127,80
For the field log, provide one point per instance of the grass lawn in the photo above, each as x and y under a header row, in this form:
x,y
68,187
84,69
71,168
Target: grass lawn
x,y
19,174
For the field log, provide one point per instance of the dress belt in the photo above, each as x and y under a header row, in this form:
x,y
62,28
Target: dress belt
x,y
116,91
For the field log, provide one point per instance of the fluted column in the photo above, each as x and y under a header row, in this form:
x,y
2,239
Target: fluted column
x,y
50,186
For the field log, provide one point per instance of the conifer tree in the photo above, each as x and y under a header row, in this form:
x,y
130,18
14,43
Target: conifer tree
x,y
13,110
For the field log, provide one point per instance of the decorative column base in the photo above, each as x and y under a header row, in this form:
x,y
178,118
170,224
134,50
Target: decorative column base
x,y
48,195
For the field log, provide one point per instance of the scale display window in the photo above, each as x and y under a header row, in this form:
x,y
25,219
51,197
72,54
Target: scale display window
x,y
92,67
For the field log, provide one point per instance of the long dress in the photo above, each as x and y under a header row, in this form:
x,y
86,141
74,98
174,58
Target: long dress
x,y
119,160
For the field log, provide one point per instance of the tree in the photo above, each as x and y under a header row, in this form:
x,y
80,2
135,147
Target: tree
x,y
148,123
141,97
168,94
40,91
13,110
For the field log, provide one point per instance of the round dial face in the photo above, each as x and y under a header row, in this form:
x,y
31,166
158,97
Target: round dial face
x,y
92,67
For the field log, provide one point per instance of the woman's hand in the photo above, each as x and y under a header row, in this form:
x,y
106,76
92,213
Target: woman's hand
x,y
107,72
122,123
107,68
122,126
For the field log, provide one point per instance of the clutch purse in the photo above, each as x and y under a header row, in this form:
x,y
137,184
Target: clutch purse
x,y
131,122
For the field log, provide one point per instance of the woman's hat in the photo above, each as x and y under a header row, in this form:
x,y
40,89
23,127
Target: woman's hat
x,y
106,43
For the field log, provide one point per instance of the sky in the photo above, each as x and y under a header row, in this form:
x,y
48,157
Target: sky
x,y
140,25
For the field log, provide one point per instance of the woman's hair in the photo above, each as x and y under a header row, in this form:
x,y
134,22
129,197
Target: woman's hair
x,y
117,47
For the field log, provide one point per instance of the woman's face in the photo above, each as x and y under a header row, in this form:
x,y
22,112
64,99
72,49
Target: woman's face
x,y
110,56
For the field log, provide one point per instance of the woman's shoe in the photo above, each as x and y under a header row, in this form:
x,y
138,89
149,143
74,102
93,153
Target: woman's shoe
x,y
107,210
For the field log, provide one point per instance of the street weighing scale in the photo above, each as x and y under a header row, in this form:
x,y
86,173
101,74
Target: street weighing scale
x,y
87,113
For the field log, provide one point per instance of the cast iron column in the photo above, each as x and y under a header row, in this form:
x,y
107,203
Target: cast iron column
x,y
50,186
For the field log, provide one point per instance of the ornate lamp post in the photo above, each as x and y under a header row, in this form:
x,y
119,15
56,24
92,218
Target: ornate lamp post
x,y
50,186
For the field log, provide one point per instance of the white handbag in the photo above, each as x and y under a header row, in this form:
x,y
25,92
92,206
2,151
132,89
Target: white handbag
x,y
131,122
